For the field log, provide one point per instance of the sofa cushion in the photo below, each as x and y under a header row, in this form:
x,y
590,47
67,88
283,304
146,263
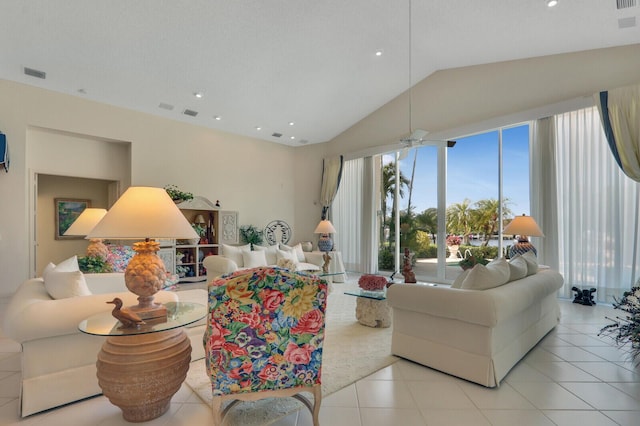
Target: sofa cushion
x,y
297,249
253,259
270,254
532,262
288,254
481,277
235,253
460,278
65,279
518,268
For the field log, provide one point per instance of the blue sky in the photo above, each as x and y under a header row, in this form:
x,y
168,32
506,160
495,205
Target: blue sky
x,y
472,168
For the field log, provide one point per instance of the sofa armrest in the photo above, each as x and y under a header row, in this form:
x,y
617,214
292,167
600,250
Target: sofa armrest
x,y
35,319
217,265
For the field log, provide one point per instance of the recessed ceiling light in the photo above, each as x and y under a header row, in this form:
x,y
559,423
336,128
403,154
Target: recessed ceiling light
x,y
552,3
291,123
217,117
258,128
292,137
198,95
379,52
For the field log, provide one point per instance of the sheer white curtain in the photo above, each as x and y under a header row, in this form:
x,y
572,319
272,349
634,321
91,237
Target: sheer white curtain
x,y
597,210
353,216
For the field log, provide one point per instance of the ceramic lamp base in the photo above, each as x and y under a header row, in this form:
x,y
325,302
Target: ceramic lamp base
x,y
325,243
520,248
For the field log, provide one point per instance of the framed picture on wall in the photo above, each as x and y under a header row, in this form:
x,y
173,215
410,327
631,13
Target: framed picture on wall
x,y
67,211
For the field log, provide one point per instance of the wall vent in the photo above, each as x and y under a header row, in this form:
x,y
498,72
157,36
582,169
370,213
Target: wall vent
x,y
303,141
276,135
190,112
35,73
623,4
629,22
165,106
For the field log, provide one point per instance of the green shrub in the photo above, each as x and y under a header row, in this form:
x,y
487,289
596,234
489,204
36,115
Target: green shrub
x,y
386,261
93,265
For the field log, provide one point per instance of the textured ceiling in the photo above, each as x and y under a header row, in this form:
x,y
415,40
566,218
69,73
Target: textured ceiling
x,y
270,62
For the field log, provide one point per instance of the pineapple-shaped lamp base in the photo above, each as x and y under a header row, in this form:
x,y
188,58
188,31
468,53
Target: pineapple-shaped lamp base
x,y
145,276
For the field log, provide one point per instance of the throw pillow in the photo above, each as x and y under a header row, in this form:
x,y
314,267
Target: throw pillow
x,y
291,255
297,249
518,268
65,279
460,278
253,259
62,285
532,262
270,253
481,277
235,253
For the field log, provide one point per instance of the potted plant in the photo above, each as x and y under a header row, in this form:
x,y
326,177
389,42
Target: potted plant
x,y
251,235
453,242
626,330
469,260
177,195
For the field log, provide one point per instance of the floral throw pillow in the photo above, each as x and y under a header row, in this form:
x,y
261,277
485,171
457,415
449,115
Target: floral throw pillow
x,y
265,330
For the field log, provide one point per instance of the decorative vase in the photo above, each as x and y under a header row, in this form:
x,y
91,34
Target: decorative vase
x,y
453,251
307,246
325,244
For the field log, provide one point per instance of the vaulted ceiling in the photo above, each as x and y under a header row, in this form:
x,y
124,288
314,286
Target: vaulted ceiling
x,y
304,69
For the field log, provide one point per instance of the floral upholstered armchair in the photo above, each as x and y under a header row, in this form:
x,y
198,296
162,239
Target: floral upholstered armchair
x,y
264,338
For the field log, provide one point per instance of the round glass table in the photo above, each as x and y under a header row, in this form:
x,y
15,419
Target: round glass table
x,y
140,368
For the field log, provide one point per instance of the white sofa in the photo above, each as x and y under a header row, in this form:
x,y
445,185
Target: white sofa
x,y
233,258
478,335
58,361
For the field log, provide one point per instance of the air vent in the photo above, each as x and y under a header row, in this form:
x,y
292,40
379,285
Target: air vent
x,y
165,106
35,73
190,112
276,135
303,141
623,4
629,22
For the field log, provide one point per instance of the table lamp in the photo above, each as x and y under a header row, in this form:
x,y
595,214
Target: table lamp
x,y
523,226
144,213
325,228
83,224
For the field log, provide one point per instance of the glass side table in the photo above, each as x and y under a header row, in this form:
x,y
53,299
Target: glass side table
x,y
141,368
372,309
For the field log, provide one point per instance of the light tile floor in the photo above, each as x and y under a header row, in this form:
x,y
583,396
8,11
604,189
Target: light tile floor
x,y
573,377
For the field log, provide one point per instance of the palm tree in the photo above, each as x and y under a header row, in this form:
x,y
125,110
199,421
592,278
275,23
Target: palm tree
x,y
459,219
428,221
486,217
389,188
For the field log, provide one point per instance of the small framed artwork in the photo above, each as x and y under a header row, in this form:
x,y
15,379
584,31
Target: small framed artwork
x,y
67,211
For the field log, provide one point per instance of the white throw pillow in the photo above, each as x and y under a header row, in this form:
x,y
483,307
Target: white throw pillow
x,y
481,277
65,279
532,262
460,278
270,253
290,254
235,253
518,268
62,285
253,259
297,249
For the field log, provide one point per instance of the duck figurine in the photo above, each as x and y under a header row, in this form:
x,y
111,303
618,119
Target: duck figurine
x,y
126,317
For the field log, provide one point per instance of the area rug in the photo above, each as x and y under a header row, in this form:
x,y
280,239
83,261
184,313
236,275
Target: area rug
x,y
351,351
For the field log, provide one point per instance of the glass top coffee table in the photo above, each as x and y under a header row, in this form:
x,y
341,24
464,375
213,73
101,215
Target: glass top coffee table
x,y
141,368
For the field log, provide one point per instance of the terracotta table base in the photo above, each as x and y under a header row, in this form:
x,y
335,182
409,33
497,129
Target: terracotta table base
x,y
140,373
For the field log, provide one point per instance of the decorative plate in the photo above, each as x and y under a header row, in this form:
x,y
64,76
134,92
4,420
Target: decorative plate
x,y
277,231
